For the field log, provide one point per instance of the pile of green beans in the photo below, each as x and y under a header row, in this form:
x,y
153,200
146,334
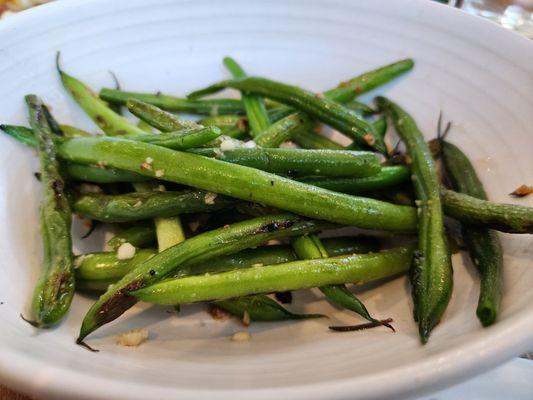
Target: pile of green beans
x,y
194,204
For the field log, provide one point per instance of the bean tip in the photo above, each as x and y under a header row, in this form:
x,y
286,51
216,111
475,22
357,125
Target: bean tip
x,y
115,79
486,315
360,327
33,323
58,62
424,330
81,343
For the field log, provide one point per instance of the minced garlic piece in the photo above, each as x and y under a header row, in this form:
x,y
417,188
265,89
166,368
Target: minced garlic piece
x,y
229,144
287,145
242,336
210,198
125,251
132,338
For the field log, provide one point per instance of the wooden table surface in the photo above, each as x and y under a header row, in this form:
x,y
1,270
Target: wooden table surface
x,y
6,394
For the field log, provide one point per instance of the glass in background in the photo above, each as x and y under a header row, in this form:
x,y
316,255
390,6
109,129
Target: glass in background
x,y
516,15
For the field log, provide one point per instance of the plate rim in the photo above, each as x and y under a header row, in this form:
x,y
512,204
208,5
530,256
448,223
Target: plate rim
x,y
485,353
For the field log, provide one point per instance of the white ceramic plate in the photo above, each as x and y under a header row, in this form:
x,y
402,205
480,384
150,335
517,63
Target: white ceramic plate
x,y
511,380
480,75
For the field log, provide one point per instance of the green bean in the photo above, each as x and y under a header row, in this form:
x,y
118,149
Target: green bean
x,y
71,131
100,174
510,218
106,266
171,103
140,235
431,273
223,121
483,244
380,127
311,248
283,130
109,121
179,140
337,246
97,174
277,254
346,91
169,232
143,205
275,278
159,119
20,133
387,177
253,104
359,108
311,140
200,248
145,126
261,308
94,286
52,123
241,182
324,109
55,288
305,139
280,112
182,139
300,162
234,126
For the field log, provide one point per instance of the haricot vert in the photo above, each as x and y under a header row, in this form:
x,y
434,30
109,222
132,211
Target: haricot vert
x,y
431,273
483,244
253,104
310,247
280,277
55,288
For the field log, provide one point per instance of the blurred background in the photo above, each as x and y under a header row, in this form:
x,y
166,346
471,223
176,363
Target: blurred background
x,y
512,14
515,15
